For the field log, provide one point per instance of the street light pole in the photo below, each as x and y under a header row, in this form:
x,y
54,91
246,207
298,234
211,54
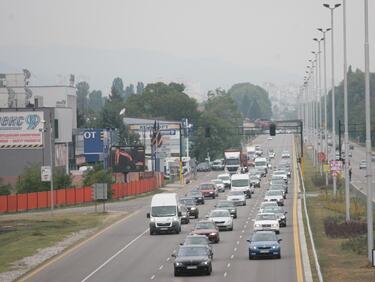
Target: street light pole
x,y
324,31
333,94
370,228
346,134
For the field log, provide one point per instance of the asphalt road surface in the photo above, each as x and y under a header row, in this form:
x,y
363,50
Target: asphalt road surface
x,y
126,251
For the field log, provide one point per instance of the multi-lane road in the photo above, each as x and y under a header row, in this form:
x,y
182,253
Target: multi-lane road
x,y
126,251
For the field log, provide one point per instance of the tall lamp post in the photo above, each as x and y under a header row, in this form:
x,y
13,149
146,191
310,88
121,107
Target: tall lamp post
x,y
370,227
324,31
332,8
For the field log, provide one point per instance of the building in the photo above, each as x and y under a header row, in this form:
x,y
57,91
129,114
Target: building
x,y
38,112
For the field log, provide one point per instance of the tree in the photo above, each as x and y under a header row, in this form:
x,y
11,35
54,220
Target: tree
x,y
129,91
117,90
95,101
82,103
252,101
5,189
140,88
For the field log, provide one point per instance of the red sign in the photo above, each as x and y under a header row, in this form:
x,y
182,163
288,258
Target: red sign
x,y
322,156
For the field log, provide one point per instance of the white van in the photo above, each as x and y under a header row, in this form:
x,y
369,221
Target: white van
x,y
261,163
165,215
241,182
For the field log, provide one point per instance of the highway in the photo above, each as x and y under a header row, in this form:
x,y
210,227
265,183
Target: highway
x,y
126,251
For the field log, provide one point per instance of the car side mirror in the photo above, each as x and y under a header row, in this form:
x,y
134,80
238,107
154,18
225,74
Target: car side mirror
x,y
248,240
148,215
279,240
173,255
206,216
285,212
181,244
179,214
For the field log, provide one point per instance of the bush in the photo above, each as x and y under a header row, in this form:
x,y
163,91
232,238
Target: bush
x,y
318,181
336,227
61,179
5,189
99,175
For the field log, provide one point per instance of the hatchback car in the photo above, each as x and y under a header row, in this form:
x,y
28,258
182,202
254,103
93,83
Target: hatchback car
x,y
222,219
207,228
192,259
185,217
228,205
198,240
363,164
264,244
197,195
267,221
208,190
190,204
220,186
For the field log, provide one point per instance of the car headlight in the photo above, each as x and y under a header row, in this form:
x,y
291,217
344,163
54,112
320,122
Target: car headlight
x,y
213,234
274,225
257,225
178,264
152,219
192,208
232,210
274,247
283,216
254,247
205,263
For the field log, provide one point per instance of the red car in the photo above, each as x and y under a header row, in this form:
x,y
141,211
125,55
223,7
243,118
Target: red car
x,y
208,190
207,228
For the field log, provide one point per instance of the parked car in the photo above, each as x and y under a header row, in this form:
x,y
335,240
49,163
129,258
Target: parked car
x,y
191,206
237,197
192,258
363,164
228,205
264,244
266,221
207,228
222,219
198,240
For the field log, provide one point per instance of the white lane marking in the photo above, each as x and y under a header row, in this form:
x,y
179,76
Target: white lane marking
x,y
115,255
152,277
240,236
228,265
248,218
235,249
225,274
243,231
232,256
161,267
245,226
247,221
168,259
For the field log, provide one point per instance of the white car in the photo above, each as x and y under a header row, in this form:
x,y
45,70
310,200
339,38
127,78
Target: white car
x,y
237,197
225,178
275,196
222,219
265,205
283,173
266,221
271,155
220,187
285,155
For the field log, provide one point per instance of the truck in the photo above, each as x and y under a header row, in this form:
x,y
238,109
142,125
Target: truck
x,y
233,160
251,155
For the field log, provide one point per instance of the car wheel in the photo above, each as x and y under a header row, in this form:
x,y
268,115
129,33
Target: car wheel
x,y
250,257
213,197
176,273
152,232
244,203
235,216
231,229
277,231
279,256
196,216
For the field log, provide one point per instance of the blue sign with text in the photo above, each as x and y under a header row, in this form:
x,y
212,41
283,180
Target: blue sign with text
x,y
93,145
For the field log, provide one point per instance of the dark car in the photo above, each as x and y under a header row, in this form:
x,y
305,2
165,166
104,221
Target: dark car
x,y
197,195
254,180
198,240
228,205
185,217
208,190
203,167
192,259
191,206
207,228
264,244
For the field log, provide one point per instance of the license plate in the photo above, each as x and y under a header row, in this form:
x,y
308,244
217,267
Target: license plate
x,y
264,251
192,267
164,228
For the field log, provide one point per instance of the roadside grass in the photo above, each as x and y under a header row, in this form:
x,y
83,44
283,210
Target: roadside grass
x,y
23,236
341,259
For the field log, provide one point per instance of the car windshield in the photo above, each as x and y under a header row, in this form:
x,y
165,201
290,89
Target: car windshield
x,y
192,251
219,214
273,210
225,204
268,204
226,178
196,241
279,172
253,177
236,193
188,202
207,186
267,216
274,193
217,181
240,182
163,211
260,163
263,237
232,162
205,225
276,187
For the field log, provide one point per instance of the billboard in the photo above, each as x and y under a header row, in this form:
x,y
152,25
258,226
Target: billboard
x,y
92,144
128,158
21,130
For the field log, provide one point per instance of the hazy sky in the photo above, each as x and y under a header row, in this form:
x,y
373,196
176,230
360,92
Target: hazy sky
x,y
210,42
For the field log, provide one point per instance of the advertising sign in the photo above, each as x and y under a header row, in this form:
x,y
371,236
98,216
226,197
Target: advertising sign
x,y
128,159
45,172
335,167
21,130
93,145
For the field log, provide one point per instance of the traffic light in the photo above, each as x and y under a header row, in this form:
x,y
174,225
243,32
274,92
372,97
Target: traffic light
x,y
102,135
207,133
272,129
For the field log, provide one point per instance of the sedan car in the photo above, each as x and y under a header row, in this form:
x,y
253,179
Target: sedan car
x,y
266,221
278,187
208,189
228,205
220,187
191,206
363,164
225,178
207,228
264,244
264,205
222,219
192,259
198,240
281,173
237,197
197,195
279,182
275,196
279,212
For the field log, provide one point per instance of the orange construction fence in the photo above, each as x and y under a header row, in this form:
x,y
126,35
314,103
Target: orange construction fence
x,y
74,196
